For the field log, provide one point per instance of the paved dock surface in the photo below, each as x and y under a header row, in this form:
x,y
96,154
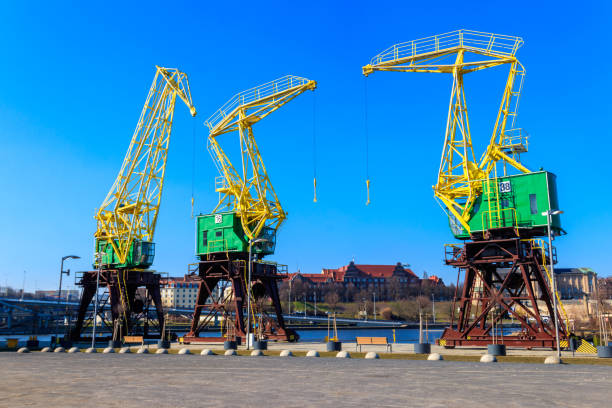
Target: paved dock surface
x,y
120,380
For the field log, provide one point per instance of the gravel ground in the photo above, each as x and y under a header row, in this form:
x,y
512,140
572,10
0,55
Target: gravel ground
x,y
77,380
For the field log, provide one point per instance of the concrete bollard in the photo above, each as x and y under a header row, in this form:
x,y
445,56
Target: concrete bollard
x,y
184,351
343,354
144,350
230,352
371,355
422,348
91,350
46,350
257,353
286,353
435,357
124,350
108,350
59,350
312,353
74,350
488,358
207,352
552,360
23,350
159,351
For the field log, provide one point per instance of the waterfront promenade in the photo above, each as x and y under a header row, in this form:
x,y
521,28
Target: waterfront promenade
x,y
71,380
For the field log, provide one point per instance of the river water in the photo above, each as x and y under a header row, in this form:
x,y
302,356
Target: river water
x,y
346,335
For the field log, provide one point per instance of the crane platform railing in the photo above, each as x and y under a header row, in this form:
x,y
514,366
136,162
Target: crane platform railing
x,y
539,244
515,141
254,95
476,41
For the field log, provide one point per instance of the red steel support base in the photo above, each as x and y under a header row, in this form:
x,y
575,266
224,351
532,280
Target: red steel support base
x,y
502,278
122,286
232,267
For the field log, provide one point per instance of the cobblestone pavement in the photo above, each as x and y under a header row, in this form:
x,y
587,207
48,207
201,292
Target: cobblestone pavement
x,y
120,380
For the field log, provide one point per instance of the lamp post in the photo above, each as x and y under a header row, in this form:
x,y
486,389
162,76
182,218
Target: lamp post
x,y
290,285
95,317
433,308
62,272
549,215
374,295
248,288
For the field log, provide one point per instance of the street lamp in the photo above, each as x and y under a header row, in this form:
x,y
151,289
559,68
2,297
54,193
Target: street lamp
x,y
248,286
95,317
290,284
433,308
62,272
548,214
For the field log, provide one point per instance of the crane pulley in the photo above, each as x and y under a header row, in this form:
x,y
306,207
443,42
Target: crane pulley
x,y
458,53
127,217
248,192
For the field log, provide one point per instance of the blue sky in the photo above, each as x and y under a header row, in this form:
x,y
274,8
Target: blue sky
x,y
75,77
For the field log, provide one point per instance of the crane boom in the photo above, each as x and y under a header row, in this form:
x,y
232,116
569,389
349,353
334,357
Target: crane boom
x,y
129,212
249,192
460,175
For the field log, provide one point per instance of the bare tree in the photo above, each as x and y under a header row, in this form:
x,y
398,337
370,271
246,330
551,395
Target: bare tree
x,y
332,299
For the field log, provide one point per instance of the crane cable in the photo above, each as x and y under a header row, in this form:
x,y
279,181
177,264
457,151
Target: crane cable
x,y
365,123
314,145
193,164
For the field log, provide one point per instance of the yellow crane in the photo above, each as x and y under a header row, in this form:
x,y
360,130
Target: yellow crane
x,y
247,192
461,175
127,217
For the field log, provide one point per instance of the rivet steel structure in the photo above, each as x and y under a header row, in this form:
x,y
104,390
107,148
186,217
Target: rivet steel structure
x,y
248,212
503,260
127,218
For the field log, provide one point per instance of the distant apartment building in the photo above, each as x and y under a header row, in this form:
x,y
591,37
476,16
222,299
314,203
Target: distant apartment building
x,y
576,283
4,290
179,292
364,276
70,295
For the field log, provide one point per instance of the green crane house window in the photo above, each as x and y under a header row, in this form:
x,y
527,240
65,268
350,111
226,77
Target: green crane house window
x,y
533,203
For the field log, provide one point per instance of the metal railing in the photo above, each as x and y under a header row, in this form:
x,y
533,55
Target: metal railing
x,y
498,218
539,244
515,140
487,43
253,95
452,252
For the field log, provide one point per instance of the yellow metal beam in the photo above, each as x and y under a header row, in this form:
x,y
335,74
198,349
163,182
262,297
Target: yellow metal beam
x,y
460,174
130,209
249,192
